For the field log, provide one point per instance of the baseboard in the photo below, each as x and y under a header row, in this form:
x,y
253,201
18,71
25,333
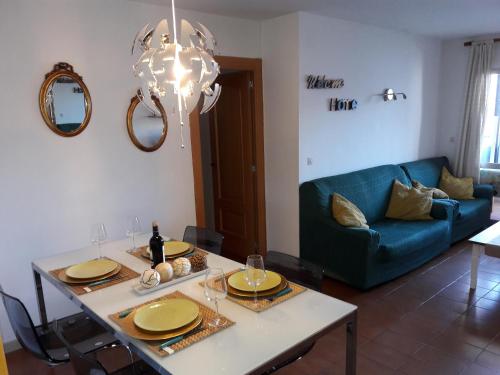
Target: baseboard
x,y
11,346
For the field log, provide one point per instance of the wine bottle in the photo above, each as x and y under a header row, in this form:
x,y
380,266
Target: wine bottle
x,y
156,246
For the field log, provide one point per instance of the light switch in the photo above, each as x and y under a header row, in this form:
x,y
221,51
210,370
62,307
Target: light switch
x,y
309,161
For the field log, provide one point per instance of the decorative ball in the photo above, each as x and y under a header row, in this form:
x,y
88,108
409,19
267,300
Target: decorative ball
x,y
149,279
198,262
166,271
182,267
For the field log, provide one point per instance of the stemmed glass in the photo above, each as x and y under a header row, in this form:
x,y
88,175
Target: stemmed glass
x,y
215,290
255,273
98,235
133,229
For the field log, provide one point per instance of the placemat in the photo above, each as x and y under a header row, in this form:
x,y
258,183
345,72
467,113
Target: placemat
x,y
207,331
263,303
79,289
138,253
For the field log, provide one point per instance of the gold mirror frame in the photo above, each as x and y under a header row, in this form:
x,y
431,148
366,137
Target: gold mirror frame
x,y
63,69
134,102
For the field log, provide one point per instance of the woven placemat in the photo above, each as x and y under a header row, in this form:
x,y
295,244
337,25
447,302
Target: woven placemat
x,y
140,250
206,312
262,303
125,274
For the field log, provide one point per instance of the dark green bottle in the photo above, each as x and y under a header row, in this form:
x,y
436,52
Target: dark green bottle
x,y
156,246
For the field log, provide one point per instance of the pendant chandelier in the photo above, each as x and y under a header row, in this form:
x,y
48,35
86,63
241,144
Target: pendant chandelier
x,y
177,73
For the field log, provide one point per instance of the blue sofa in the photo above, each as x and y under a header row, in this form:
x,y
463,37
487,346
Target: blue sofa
x,y
389,248
367,257
471,215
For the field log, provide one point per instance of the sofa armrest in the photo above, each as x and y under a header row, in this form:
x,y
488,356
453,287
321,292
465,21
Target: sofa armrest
x,y
484,191
350,237
445,209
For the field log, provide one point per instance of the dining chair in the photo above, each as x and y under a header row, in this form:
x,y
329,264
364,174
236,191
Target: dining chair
x,y
43,343
301,272
204,238
297,270
85,364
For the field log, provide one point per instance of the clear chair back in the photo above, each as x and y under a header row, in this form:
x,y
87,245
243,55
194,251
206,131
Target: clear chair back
x,y
204,238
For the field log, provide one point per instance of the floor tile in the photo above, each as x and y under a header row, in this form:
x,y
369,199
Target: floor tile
x,y
399,342
384,355
489,360
475,369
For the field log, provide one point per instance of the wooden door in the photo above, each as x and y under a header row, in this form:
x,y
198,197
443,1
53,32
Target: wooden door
x,y
233,163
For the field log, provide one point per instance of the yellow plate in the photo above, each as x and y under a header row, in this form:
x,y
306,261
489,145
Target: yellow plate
x,y
91,269
237,281
173,248
128,326
146,253
267,293
68,280
166,315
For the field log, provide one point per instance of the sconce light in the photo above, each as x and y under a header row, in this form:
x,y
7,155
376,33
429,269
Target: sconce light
x,y
389,95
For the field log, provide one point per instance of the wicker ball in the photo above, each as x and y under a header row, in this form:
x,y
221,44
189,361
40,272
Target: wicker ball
x,y
198,262
166,272
182,267
150,278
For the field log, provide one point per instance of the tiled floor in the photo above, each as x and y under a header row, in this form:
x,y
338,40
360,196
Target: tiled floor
x,y
426,322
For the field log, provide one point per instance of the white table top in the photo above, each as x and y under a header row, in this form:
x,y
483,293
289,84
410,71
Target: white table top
x,y
255,338
488,237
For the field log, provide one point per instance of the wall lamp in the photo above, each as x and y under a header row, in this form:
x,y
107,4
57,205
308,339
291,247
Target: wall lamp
x,y
389,95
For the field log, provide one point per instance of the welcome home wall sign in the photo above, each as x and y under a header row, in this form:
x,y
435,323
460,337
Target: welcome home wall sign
x,y
321,82
337,104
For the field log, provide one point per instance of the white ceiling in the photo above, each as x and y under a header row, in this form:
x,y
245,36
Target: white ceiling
x,y
437,18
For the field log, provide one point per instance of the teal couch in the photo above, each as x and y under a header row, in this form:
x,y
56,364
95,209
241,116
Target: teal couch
x,y
389,248
471,215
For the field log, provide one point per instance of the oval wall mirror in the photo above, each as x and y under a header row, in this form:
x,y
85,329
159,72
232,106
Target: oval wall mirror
x,y
146,127
64,101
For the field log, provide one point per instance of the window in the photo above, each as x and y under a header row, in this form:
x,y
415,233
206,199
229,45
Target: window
x,y
490,142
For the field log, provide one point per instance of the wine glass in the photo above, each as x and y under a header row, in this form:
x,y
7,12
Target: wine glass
x,y
255,273
215,290
98,235
133,229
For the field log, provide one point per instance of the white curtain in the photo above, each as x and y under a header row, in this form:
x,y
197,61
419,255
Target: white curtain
x,y
476,89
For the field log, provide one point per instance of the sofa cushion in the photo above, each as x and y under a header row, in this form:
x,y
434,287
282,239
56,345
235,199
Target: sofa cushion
x,y
408,203
456,187
369,189
436,193
426,171
346,213
400,238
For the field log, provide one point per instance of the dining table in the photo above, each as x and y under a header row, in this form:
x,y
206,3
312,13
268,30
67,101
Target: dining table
x,y
253,345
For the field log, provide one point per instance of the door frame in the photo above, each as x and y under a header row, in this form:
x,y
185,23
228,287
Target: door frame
x,y
254,66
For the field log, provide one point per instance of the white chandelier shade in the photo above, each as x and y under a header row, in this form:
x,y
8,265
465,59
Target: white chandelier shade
x,y
177,73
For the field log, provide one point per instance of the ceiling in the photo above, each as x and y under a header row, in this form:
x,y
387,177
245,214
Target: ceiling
x,y
444,19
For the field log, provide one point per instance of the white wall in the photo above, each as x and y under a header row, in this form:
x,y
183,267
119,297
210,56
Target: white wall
x,y
280,58
454,69
54,188
369,59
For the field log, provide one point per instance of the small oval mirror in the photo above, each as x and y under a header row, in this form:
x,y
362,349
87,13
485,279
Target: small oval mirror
x,y
147,128
64,101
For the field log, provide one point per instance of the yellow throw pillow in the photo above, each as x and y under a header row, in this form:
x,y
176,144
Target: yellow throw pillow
x,y
346,213
408,203
456,188
436,193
